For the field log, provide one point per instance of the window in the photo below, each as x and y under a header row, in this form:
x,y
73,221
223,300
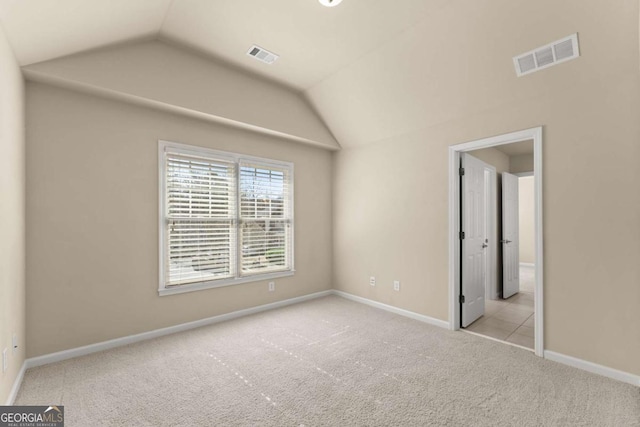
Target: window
x,y
224,218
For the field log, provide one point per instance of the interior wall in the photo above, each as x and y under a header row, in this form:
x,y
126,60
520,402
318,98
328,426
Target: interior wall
x,y
12,224
527,229
521,163
396,113
493,157
156,73
391,216
92,219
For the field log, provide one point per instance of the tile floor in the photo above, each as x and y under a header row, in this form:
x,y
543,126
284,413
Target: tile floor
x,y
510,320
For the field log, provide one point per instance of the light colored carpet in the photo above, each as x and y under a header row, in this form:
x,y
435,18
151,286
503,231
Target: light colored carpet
x,y
326,362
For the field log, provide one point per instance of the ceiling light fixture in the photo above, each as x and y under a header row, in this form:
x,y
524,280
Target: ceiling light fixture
x,y
330,3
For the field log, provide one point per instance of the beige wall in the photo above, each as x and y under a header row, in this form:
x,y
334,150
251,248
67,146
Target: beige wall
x,y
527,229
12,227
391,221
493,157
393,91
396,113
164,76
521,163
92,220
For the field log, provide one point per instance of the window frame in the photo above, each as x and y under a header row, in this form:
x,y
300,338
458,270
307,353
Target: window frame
x,y
184,149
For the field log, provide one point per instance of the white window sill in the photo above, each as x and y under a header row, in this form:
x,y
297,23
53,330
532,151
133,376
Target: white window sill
x,y
181,289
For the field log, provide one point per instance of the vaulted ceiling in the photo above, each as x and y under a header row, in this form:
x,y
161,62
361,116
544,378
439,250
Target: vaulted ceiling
x,y
313,41
372,69
39,30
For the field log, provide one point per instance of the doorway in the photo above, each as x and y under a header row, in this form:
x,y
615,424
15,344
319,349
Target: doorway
x,y
470,261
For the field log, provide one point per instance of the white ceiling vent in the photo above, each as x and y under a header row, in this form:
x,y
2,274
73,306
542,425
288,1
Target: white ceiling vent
x,y
554,53
262,54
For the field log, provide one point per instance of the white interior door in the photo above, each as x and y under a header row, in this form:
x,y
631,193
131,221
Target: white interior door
x,y
473,240
510,238
491,233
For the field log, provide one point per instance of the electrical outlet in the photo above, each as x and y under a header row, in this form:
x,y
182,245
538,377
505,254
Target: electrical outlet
x,y
4,360
396,285
272,286
372,281
14,343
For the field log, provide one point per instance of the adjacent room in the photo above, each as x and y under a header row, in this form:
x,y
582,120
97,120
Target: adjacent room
x,y
506,277
320,212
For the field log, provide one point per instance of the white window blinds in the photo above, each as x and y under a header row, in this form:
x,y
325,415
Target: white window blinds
x,y
201,219
225,218
265,218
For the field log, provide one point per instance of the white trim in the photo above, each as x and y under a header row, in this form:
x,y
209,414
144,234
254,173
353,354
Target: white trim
x,y
454,259
454,244
211,284
198,151
162,196
527,264
392,309
16,385
523,174
492,141
539,243
118,342
594,368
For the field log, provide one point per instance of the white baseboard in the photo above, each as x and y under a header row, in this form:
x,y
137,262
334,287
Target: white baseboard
x,y
392,309
527,264
593,367
105,345
118,342
16,385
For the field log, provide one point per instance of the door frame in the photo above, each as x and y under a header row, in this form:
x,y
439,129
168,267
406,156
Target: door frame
x,y
534,134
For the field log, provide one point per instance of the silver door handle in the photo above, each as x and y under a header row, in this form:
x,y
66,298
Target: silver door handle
x,y
505,241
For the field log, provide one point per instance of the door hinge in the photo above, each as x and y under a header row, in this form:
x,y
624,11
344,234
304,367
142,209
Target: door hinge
x,y
461,235
461,171
461,299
